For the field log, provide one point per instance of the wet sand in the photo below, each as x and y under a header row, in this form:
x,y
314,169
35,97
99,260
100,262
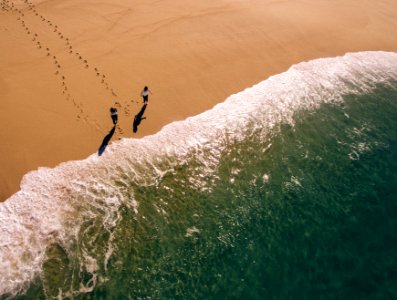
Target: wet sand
x,y
64,64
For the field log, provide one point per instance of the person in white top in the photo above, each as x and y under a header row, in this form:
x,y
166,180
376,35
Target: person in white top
x,y
145,94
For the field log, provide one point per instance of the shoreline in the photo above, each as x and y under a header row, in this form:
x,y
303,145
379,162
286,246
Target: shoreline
x,y
191,56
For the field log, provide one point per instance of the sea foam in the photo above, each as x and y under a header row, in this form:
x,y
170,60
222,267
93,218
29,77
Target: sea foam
x,y
52,203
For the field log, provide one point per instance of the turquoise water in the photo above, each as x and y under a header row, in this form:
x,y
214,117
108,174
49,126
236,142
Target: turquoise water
x,y
303,210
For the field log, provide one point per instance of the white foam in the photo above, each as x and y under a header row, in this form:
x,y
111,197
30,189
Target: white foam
x,y
265,178
191,231
52,203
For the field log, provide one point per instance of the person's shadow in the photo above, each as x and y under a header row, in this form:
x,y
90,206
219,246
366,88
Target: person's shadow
x,y
106,141
138,118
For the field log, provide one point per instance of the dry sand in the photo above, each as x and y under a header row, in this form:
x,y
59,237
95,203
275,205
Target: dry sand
x,y
63,64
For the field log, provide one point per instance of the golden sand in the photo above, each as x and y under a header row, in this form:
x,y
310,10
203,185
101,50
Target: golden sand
x,y
63,64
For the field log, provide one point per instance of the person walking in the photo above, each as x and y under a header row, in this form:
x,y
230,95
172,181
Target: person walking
x,y
113,115
145,94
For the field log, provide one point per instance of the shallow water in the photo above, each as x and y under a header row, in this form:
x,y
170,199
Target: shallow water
x,y
286,190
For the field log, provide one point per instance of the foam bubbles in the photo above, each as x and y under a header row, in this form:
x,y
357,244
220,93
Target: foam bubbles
x,y
191,231
265,178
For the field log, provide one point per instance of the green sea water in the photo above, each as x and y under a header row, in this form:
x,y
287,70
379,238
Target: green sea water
x,y
306,212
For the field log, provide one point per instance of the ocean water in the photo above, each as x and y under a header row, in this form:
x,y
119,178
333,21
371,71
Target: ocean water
x,y
287,190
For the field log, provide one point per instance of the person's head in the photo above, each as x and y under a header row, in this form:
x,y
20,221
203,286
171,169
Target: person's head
x,y
145,88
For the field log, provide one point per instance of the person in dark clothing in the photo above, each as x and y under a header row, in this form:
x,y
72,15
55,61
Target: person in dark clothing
x,y
113,114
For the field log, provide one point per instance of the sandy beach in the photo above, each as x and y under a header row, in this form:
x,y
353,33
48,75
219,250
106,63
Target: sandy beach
x,y
63,64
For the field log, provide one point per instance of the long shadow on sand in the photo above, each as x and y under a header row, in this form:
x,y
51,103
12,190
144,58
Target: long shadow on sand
x,y
138,118
106,141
